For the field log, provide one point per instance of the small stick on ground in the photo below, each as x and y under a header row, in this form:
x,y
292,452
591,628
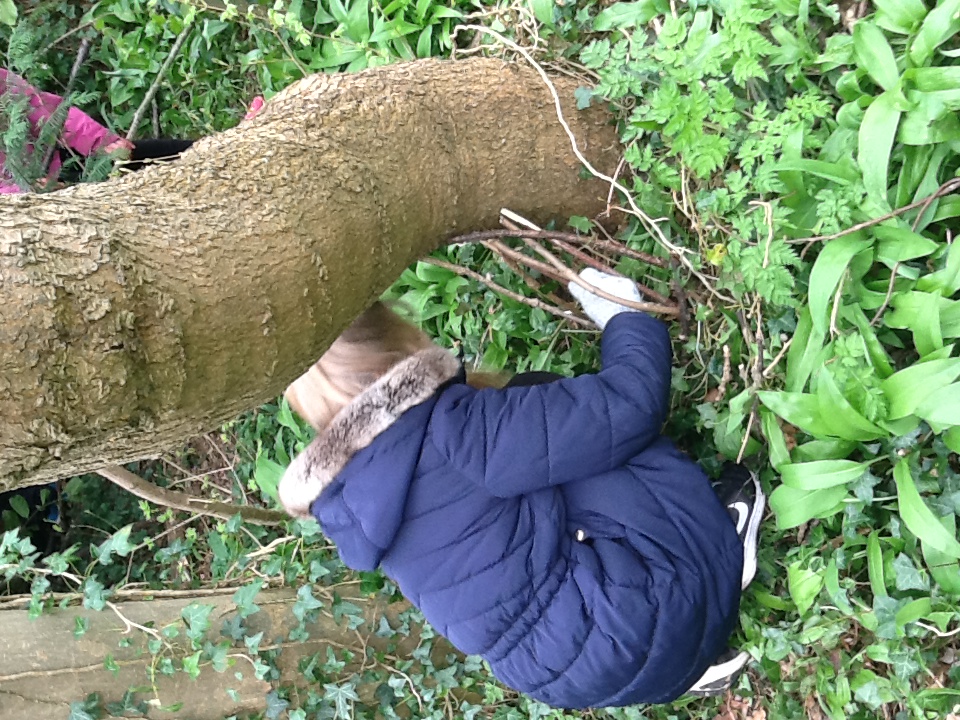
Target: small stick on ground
x,y
182,501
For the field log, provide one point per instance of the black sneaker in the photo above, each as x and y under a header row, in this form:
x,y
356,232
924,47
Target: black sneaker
x,y
720,677
739,489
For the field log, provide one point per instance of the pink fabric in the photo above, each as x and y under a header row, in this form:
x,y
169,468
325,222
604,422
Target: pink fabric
x,y
80,131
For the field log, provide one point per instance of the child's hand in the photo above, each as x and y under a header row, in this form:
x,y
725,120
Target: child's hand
x,y
599,309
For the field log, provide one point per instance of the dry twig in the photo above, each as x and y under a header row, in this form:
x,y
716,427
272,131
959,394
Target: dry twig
x,y
182,501
499,289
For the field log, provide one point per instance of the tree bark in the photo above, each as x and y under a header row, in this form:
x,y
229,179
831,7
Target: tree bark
x,y
142,311
44,667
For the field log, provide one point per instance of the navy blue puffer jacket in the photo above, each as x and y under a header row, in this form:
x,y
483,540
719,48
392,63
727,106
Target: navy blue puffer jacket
x,y
472,501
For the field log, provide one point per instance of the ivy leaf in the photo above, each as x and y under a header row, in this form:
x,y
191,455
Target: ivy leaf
x,y
197,618
583,96
243,598
305,603
342,696
275,705
89,709
117,544
907,575
94,594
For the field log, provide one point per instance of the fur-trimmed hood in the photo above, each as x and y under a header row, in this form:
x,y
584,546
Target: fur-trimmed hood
x,y
407,384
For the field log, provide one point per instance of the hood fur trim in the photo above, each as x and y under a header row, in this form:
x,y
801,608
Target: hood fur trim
x,y
407,384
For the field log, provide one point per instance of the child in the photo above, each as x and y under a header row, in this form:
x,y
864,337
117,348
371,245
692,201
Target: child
x,y
549,527
82,134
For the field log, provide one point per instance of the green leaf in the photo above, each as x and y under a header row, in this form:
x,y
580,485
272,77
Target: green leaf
x,y
875,143
829,267
266,476
543,10
929,120
800,409
8,12
823,449
875,349
117,544
244,596
822,474
899,16
874,55
777,444
947,280
918,518
94,594
794,507
20,506
628,14
804,585
831,583
197,618
907,389
898,244
940,24
941,410
840,174
875,565
907,576
913,611
935,79
951,438
944,569
803,356
842,419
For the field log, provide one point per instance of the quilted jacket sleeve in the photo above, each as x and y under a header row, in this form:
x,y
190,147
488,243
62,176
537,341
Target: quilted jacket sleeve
x,y
519,440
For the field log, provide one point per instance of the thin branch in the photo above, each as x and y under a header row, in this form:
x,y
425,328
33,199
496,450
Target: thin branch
x,y
499,289
596,264
552,235
148,98
510,218
571,276
888,296
182,501
947,188
768,371
504,253
81,58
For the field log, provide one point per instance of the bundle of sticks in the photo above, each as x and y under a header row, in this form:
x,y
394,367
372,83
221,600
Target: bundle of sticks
x,y
555,255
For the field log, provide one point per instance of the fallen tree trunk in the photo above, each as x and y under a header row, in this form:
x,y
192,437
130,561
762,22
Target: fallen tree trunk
x,y
143,311
44,666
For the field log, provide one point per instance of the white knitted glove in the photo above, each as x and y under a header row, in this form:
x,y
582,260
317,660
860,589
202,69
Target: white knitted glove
x,y
599,309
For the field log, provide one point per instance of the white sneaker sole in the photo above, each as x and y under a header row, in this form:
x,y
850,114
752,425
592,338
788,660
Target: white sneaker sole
x,y
718,678
750,539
